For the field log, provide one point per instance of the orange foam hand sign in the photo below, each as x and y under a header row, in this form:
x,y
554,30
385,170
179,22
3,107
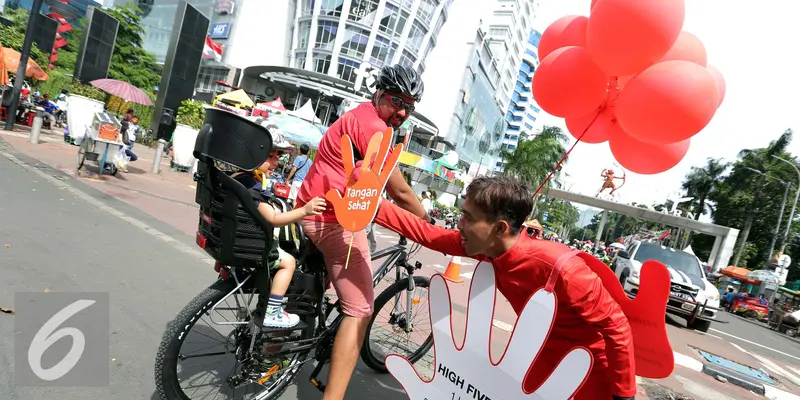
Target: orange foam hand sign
x,y
357,208
646,314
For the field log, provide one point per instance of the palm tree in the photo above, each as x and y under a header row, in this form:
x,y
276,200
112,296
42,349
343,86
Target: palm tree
x,y
533,159
700,182
762,160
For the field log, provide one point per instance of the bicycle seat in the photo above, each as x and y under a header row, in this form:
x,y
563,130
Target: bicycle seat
x,y
231,229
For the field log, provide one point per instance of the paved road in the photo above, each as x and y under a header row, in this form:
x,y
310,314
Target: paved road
x,y
755,337
54,239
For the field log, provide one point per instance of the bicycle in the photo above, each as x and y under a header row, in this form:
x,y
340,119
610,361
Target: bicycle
x,y
233,232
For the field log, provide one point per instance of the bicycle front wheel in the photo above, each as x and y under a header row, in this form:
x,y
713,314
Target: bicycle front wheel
x,y
391,332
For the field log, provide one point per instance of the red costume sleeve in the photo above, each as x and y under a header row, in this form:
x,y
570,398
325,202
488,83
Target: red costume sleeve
x,y
415,229
584,291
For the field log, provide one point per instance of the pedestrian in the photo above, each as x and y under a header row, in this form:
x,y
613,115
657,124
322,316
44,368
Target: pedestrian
x,y
302,163
587,316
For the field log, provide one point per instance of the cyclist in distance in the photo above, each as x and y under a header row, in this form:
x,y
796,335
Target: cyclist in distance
x,y
398,88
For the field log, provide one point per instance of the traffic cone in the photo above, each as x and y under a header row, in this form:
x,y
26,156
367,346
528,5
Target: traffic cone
x,y
453,271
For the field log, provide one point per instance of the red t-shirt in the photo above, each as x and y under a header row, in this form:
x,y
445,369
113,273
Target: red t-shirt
x,y
586,315
327,172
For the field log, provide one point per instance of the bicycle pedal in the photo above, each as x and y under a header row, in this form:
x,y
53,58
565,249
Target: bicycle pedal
x,y
319,385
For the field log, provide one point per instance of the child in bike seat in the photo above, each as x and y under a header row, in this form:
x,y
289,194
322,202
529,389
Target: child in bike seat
x,y
281,263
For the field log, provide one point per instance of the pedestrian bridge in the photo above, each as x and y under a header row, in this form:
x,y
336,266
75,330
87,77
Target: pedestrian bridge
x,y
723,244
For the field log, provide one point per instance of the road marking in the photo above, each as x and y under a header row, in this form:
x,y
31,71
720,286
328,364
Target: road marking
x,y
756,344
438,266
773,393
687,362
714,336
467,275
776,368
111,210
738,347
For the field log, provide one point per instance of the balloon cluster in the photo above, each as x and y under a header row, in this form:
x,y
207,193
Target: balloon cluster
x,y
629,75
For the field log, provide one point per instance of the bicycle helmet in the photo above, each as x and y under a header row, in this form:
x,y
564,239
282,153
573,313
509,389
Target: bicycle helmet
x,y
400,79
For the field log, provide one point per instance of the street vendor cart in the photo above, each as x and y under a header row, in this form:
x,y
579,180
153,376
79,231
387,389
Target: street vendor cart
x,y
101,142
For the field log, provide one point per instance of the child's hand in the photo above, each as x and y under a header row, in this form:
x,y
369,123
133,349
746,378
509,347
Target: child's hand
x,y
315,207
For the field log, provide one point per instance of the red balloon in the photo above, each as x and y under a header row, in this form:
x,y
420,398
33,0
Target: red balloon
x,y
688,48
645,158
591,7
668,102
600,126
565,31
627,36
568,84
720,81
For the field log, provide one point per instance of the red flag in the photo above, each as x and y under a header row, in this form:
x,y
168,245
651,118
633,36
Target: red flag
x,y
212,50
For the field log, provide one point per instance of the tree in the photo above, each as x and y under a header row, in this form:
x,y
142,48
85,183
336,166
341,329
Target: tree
x,y
533,159
751,201
701,181
131,62
13,36
561,215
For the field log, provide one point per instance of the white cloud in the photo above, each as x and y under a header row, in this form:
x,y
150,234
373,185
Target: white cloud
x,y
754,45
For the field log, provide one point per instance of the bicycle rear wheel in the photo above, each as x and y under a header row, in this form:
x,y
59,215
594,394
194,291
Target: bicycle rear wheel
x,y
213,373
376,342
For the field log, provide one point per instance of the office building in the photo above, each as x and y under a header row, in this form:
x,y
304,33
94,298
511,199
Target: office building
x,y
508,30
522,110
79,5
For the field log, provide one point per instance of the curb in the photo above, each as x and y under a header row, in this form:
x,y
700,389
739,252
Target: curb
x,y
726,375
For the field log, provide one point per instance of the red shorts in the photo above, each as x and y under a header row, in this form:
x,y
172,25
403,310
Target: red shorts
x,y
353,285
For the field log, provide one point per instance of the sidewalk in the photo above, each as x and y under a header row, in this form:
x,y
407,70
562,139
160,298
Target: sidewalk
x,y
168,195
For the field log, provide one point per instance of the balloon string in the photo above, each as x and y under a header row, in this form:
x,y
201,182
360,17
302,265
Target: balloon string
x,y
567,153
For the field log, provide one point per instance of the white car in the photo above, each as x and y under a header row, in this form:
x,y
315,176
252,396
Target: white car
x,y
692,296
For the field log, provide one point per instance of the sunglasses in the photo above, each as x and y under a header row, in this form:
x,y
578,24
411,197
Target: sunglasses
x,y
400,103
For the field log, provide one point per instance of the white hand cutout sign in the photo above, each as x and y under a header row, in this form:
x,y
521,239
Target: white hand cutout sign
x,y
468,372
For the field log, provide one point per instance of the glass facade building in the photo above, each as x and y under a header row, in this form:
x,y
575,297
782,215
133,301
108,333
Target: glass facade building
x,y
158,18
336,37
522,109
476,114
80,5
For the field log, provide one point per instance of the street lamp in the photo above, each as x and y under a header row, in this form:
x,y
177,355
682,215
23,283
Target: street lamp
x,y
794,205
780,215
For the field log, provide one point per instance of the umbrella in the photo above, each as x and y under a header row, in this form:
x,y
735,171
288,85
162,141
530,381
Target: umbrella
x,y
617,245
763,275
3,69
296,129
11,63
123,90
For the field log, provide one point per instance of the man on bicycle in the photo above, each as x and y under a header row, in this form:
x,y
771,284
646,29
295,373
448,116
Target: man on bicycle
x,y
490,230
398,88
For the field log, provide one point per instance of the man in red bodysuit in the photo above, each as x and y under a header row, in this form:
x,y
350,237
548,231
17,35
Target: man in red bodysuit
x,y
490,230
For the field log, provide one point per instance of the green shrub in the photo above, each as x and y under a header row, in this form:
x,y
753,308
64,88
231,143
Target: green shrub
x,y
59,79
191,113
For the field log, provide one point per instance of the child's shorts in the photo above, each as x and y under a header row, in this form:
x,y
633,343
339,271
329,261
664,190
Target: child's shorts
x,y
282,255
